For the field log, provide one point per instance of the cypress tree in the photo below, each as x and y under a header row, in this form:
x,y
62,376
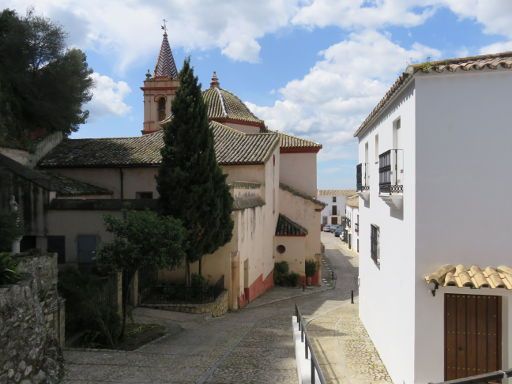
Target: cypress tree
x,y
190,182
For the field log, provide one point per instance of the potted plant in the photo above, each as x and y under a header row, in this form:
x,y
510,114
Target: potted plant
x,y
311,268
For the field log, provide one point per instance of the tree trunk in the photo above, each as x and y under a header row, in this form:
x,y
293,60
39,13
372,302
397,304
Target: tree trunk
x,y
127,282
200,267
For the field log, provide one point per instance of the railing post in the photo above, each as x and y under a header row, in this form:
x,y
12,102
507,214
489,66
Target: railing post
x,y
306,347
312,372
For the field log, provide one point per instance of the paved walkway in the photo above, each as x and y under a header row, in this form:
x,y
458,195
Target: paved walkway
x,y
253,345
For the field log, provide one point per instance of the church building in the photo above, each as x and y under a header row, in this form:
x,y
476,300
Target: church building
x,y
272,178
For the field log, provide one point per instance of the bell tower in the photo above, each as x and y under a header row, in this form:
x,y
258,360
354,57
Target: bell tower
x,y
159,89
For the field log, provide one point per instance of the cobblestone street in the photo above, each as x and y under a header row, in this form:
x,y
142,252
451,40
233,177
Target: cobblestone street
x,y
253,345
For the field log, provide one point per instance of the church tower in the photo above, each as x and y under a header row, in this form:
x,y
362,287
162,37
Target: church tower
x,y
159,89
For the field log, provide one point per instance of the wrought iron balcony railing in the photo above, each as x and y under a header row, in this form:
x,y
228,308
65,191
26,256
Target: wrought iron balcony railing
x,y
362,177
391,172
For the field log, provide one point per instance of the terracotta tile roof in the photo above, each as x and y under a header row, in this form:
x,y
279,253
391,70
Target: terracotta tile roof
x,y
294,192
337,192
245,202
165,66
290,142
244,185
472,276
464,64
66,186
353,201
235,147
226,106
287,227
231,147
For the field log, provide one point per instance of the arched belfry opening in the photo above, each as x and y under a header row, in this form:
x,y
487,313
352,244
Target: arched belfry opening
x,y
161,109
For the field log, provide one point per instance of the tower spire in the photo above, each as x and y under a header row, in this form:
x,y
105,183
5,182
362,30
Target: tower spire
x,y
215,81
165,66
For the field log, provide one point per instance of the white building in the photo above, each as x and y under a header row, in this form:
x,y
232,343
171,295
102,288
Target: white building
x,y
335,200
351,231
433,177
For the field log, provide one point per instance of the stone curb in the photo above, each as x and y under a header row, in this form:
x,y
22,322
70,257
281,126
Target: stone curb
x,y
292,297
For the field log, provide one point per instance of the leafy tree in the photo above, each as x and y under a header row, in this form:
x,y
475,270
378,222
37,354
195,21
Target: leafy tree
x,y
142,240
43,86
10,230
191,184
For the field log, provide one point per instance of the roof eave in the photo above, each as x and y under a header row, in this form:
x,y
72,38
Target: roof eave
x,y
309,149
397,92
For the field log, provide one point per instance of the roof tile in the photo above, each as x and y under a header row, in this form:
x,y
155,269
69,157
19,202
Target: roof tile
x,y
231,147
287,227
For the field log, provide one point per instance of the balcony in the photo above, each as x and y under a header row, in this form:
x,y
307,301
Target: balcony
x,y
363,180
391,173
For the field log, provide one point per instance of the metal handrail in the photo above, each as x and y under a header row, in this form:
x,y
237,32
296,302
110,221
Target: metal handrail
x,y
480,379
315,367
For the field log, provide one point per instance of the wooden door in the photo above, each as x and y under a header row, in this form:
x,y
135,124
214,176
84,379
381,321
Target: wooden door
x,y
472,335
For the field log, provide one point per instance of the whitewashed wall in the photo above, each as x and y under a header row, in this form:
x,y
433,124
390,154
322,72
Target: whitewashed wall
x,y
463,207
386,295
327,211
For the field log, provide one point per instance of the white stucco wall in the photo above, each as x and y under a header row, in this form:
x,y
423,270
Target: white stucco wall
x,y
386,304
327,211
133,179
72,223
352,214
298,170
304,213
463,206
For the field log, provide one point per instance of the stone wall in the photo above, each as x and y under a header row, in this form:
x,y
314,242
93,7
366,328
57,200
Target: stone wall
x,y
32,324
216,308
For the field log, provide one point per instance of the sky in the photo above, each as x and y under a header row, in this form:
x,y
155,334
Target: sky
x,y
312,68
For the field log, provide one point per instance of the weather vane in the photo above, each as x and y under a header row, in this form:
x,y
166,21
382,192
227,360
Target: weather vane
x,y
164,27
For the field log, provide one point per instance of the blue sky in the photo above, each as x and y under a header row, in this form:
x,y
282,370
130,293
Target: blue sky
x,y
313,68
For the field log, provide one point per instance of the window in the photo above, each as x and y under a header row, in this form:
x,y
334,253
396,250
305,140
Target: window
x,y
334,199
143,195
374,246
281,248
396,134
161,109
334,210
376,149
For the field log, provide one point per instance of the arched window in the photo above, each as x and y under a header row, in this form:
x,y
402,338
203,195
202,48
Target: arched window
x,y
161,108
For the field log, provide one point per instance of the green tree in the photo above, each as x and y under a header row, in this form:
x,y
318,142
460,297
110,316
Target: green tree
x,y
43,85
191,184
142,240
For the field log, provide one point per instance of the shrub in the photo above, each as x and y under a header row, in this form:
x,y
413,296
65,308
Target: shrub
x,y
311,267
198,287
281,268
88,307
292,279
8,266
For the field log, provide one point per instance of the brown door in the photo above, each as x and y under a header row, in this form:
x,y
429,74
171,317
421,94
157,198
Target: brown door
x,y
472,335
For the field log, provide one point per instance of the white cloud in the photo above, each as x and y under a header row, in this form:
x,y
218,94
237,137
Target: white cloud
x,y
329,102
130,29
364,13
108,97
494,15
497,47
